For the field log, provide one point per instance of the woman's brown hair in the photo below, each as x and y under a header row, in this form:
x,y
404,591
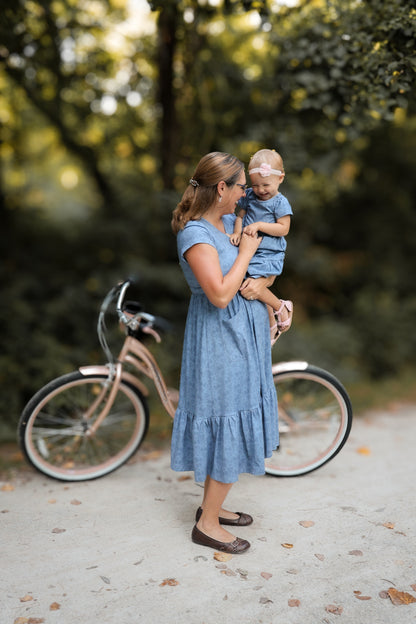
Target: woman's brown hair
x,y
201,192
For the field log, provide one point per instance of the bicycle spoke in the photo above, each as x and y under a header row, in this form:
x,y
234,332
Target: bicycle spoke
x,y
315,418
58,437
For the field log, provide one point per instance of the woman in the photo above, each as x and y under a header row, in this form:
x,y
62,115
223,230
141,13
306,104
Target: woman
x,y
226,421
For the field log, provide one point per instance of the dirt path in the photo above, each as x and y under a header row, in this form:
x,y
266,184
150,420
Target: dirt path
x,y
326,547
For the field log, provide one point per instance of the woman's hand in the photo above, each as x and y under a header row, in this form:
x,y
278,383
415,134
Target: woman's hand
x,y
249,243
252,288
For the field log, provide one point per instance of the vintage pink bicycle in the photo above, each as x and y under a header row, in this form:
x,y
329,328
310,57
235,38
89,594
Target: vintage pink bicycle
x,y
85,424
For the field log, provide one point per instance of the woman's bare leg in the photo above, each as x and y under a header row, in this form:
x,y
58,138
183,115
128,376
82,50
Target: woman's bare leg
x,y
215,493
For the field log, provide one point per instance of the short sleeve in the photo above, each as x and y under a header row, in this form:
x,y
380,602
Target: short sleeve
x,y
283,208
192,234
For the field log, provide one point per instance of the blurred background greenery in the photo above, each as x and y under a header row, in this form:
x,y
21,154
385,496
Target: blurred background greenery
x,y
107,105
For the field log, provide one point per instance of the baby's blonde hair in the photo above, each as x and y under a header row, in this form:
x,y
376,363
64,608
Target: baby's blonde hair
x,y
268,156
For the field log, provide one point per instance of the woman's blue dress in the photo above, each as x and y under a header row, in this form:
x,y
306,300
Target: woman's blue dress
x,y
226,420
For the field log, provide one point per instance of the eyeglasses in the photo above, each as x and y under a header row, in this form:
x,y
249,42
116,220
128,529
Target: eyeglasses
x,y
242,186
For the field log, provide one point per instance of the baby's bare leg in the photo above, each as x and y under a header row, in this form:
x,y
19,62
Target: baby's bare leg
x,y
267,297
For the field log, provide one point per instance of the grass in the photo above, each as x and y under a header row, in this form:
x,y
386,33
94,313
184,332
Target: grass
x,y
383,394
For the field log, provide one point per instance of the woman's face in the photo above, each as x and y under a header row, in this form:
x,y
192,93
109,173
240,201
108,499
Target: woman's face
x,y
233,194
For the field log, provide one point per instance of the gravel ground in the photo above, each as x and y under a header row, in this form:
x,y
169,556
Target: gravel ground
x,y
335,546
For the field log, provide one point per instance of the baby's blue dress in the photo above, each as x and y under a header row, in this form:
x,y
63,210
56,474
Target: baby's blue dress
x,y
226,420
270,255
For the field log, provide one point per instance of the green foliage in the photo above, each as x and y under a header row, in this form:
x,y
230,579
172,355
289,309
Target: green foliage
x,y
54,280
60,58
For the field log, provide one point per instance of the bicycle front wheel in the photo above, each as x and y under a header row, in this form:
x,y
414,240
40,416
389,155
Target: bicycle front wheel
x,y
54,432
315,418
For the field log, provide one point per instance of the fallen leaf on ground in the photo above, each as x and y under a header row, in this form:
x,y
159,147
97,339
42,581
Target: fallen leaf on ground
x,y
169,581
388,525
7,487
75,502
105,579
55,606
293,602
58,530
222,556
265,600
286,545
35,620
399,598
360,597
320,557
228,572
383,594
26,598
52,501
364,450
184,478
306,523
151,455
266,575
357,553
335,609
413,587
21,620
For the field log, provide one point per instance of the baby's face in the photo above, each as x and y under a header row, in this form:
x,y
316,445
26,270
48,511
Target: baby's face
x,y
265,188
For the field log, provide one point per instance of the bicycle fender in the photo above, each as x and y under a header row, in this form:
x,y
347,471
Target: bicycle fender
x,y
285,367
103,370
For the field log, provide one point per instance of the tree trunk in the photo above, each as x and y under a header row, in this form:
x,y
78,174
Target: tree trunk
x,y
167,25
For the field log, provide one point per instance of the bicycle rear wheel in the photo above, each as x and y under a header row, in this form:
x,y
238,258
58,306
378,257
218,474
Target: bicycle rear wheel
x,y
315,418
53,430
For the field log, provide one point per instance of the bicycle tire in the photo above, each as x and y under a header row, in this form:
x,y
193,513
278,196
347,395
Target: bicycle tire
x,y
315,419
53,433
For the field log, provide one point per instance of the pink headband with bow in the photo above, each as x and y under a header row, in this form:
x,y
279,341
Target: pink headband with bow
x,y
265,170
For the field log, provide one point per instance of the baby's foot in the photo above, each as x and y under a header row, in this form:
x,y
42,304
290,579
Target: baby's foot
x,y
284,315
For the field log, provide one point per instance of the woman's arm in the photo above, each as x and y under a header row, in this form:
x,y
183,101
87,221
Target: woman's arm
x,y
205,264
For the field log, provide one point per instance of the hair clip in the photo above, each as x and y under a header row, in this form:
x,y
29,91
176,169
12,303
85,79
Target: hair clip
x,y
193,182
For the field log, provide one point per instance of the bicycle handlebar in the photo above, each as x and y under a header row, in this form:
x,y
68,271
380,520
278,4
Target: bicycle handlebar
x,y
135,318
136,321
123,288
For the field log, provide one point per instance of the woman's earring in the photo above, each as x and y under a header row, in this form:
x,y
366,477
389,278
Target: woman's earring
x,y
220,198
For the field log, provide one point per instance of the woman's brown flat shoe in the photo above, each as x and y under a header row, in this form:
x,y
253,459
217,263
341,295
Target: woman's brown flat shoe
x,y
242,520
236,547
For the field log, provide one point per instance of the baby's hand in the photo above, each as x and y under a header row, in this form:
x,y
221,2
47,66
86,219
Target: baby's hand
x,y
235,239
251,229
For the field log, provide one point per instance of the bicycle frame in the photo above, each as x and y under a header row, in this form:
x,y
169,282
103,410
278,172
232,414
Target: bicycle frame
x,y
135,353
70,431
